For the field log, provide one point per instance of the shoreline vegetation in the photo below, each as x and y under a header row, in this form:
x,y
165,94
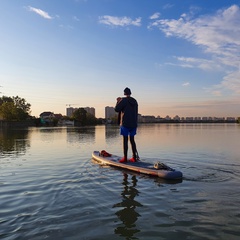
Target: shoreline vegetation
x,y
15,112
37,123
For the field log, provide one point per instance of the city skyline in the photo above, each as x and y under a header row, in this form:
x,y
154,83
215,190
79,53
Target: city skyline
x,y
177,57
110,112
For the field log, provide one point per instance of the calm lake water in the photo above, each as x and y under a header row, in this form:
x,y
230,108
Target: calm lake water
x,y
50,188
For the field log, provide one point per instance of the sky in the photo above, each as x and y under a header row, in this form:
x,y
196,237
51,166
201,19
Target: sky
x,y
177,57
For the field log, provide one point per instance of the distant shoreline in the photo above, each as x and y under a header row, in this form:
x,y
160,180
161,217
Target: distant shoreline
x,y
31,123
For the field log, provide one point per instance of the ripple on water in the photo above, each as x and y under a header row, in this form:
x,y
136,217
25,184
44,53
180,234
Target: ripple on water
x,y
54,191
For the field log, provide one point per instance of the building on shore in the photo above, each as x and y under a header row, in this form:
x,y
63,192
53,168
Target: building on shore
x,y
110,112
90,110
71,110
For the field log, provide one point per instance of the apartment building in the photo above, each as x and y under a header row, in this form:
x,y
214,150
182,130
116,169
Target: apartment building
x,y
70,111
110,112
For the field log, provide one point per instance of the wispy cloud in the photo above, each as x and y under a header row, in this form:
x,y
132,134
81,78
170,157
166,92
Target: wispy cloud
x,y
39,12
67,27
218,35
204,64
166,6
232,82
216,93
75,18
206,108
214,33
223,104
186,84
119,21
155,16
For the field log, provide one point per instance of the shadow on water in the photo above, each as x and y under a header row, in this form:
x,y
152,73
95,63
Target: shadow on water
x,y
128,214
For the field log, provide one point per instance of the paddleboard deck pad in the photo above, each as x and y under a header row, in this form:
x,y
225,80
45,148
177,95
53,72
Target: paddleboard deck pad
x,y
157,169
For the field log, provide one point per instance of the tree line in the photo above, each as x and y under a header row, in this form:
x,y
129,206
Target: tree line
x,y
14,108
18,109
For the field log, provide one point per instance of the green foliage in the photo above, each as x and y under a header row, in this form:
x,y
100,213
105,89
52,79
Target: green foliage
x,y
114,119
80,115
8,111
91,120
5,99
21,103
238,120
14,108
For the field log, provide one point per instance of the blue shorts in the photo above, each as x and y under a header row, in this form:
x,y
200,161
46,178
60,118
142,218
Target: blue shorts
x,y
128,131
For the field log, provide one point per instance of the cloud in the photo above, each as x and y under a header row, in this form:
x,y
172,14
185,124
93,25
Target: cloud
x,y
67,27
186,84
75,18
155,16
166,6
232,82
119,21
218,35
40,12
217,93
205,108
201,63
204,64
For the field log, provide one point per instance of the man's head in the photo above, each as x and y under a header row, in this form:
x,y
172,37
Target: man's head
x,y
127,91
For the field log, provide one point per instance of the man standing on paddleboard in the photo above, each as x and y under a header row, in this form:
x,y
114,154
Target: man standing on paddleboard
x,y
127,107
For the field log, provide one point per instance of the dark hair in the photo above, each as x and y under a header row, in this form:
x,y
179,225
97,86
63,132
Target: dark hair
x,y
127,91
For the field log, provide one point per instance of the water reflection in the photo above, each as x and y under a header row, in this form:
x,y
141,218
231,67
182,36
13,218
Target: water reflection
x,y
81,134
48,134
128,213
111,132
14,141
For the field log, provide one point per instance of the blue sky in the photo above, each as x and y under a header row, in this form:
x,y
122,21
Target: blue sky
x,y
178,57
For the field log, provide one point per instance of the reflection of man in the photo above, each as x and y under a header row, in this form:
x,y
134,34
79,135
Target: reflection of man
x,y
128,214
127,107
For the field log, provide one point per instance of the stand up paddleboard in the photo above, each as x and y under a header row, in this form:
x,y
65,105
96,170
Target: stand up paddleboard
x,y
158,169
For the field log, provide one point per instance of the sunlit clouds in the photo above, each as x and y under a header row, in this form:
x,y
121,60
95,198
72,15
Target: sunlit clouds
x,y
219,37
216,35
168,54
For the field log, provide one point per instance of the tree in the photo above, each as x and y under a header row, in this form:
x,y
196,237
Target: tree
x,y
80,115
21,103
238,120
91,119
14,108
8,111
4,99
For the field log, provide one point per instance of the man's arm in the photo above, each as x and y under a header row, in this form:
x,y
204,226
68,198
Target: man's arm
x,y
118,106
